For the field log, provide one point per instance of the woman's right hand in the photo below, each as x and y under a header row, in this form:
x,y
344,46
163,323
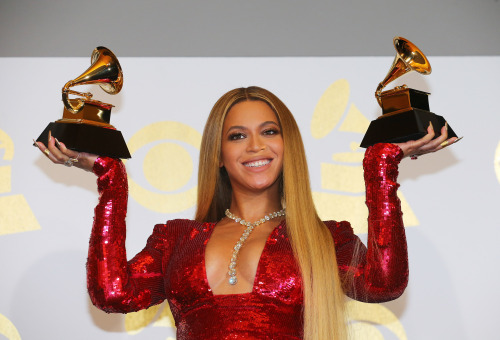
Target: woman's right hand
x,y
58,153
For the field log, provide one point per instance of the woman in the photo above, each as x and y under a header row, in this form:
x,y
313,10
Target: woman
x,y
276,278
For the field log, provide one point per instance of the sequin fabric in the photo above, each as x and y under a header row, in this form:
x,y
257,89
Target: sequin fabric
x,y
172,264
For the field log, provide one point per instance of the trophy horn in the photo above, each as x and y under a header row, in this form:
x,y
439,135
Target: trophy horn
x,y
104,70
408,58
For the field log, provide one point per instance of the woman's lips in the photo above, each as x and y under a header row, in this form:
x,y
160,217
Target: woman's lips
x,y
258,163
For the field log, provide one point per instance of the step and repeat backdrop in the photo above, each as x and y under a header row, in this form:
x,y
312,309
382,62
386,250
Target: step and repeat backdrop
x,y
450,199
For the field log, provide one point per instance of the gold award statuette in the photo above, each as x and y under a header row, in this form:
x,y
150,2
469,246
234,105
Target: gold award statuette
x,y
85,124
405,111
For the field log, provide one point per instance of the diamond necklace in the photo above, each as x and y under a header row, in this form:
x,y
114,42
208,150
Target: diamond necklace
x,y
249,227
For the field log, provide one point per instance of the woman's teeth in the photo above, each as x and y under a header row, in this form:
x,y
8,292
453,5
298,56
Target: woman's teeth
x,y
257,163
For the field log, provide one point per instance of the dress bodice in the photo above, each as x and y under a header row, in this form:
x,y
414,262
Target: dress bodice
x,y
272,308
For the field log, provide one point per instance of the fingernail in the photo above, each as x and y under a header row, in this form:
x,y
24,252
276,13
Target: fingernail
x,y
57,143
459,139
446,126
36,144
430,124
50,136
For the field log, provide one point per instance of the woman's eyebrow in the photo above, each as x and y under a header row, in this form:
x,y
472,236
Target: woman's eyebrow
x,y
269,122
237,127
244,128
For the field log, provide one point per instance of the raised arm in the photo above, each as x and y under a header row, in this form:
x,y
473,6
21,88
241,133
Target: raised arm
x,y
379,272
114,284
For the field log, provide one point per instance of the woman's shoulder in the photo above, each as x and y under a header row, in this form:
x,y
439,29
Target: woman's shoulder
x,y
183,222
182,227
341,231
334,225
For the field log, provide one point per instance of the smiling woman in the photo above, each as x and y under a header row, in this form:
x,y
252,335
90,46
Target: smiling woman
x,y
252,148
306,250
245,268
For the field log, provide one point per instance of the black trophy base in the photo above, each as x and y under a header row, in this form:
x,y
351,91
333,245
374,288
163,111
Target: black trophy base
x,y
404,126
88,138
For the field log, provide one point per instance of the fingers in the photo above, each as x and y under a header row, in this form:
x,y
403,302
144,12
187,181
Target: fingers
x,y
444,135
417,147
46,151
436,144
65,151
450,141
443,140
57,151
427,144
43,149
59,157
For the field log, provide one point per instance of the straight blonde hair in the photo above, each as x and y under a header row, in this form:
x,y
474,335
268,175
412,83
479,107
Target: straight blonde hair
x,y
312,243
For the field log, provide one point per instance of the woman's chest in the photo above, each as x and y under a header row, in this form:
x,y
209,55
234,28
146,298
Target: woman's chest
x,y
276,272
233,254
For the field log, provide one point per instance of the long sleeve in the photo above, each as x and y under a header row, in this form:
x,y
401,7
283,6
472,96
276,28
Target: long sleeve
x,y
378,272
114,284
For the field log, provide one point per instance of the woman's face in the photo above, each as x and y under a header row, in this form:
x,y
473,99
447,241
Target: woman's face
x,y
252,147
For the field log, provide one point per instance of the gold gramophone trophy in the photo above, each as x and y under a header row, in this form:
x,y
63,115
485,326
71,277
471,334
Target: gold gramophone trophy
x,y
85,124
405,111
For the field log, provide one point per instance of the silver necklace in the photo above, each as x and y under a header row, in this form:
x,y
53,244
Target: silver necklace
x,y
249,227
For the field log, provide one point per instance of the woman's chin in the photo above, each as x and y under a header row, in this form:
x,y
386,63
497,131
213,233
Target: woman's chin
x,y
262,186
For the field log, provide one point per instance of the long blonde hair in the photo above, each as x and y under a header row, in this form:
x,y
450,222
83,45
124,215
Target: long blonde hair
x,y
311,240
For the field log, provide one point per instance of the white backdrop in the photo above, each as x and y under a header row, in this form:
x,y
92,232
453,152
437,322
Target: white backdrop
x,y
451,198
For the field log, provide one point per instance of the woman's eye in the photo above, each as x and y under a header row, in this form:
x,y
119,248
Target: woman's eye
x,y
236,136
271,132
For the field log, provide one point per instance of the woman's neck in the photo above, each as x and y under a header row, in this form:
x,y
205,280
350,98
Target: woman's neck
x,y
253,206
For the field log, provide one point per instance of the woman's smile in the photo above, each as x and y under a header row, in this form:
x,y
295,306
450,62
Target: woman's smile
x,y
258,163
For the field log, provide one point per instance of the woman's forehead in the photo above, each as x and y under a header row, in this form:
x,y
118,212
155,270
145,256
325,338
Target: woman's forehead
x,y
250,113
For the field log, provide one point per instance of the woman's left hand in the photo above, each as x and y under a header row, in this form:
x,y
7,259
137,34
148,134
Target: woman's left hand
x,y
427,144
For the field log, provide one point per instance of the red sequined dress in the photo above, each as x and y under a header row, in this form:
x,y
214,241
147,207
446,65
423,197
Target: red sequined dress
x,y
172,265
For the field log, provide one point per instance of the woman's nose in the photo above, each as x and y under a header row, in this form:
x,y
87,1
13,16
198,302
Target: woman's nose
x,y
255,144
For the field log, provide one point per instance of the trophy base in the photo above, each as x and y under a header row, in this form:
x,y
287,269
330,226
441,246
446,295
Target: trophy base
x,y
403,127
87,138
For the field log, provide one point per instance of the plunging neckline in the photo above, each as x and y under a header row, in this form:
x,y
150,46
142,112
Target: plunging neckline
x,y
257,272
